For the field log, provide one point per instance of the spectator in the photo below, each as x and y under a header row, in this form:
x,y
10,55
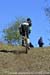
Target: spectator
x,y
40,42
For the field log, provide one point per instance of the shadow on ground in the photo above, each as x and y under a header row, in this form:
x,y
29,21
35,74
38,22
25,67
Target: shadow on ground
x,y
14,51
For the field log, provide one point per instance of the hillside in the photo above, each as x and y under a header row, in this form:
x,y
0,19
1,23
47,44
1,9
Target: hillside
x,y
13,59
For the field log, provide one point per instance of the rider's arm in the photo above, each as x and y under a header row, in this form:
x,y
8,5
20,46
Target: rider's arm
x,y
30,27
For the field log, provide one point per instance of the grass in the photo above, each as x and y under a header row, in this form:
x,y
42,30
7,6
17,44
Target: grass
x,y
13,59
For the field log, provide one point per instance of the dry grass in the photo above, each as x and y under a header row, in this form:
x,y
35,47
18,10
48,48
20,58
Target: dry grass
x,y
14,60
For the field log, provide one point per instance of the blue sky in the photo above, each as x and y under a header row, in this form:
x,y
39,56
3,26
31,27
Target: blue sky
x,y
10,9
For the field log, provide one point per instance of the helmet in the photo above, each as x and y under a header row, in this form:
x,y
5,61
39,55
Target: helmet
x,y
28,19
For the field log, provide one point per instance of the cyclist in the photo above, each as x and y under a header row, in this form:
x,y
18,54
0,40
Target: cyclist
x,y
25,26
40,42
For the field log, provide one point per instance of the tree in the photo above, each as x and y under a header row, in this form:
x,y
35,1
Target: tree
x,y
47,13
11,34
47,9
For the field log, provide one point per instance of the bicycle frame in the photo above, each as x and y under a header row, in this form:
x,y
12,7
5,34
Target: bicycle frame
x,y
26,43
25,38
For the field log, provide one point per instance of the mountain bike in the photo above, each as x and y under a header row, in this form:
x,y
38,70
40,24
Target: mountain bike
x,y
26,42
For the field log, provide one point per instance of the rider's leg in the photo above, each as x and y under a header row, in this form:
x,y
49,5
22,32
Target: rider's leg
x,y
22,42
28,40
23,34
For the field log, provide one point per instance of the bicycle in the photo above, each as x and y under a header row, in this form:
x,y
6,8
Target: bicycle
x,y
26,43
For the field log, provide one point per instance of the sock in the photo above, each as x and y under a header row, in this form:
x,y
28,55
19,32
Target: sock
x,y
28,40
